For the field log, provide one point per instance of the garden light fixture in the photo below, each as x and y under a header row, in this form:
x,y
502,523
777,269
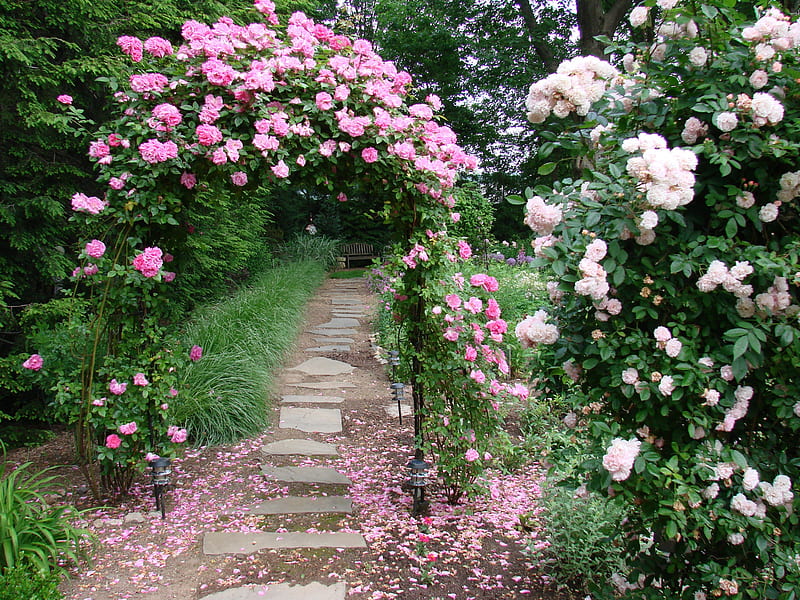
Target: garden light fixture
x,y
398,391
418,469
161,471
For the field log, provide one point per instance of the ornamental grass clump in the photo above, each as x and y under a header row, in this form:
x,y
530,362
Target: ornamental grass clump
x,y
245,340
674,263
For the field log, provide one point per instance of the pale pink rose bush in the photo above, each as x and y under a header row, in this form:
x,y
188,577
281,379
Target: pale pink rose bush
x,y
687,221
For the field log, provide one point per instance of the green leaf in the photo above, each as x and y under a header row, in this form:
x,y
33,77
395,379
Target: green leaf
x,y
546,168
515,199
740,347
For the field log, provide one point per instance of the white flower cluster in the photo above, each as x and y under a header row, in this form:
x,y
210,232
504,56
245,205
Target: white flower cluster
x,y
534,330
664,341
620,457
664,175
542,217
777,300
772,34
778,492
743,395
718,274
593,276
693,129
790,186
574,87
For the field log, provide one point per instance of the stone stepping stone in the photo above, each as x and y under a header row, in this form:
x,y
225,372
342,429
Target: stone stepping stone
x,y
330,348
320,365
222,542
309,398
347,300
305,475
283,591
301,447
405,410
339,323
334,340
331,331
347,315
311,420
324,385
295,505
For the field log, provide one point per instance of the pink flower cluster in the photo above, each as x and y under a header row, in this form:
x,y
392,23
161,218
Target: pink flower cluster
x,y
693,130
664,341
176,434
34,362
417,252
620,456
574,87
95,248
153,151
772,35
731,280
149,262
777,300
88,204
128,428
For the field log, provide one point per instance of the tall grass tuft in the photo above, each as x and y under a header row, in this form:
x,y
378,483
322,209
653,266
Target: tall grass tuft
x,y
245,340
32,532
305,247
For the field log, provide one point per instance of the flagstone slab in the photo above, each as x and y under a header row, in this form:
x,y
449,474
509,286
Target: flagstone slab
x,y
320,365
332,331
311,420
283,591
305,475
354,315
295,505
347,300
323,385
334,340
330,348
339,323
310,398
225,542
301,447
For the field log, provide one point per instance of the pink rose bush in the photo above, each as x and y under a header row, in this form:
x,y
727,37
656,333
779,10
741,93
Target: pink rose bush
x,y
235,105
674,262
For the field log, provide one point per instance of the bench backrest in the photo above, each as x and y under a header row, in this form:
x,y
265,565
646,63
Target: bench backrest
x,y
358,248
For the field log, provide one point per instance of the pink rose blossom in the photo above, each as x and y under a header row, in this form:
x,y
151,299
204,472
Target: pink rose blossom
x,y
158,47
464,250
168,276
473,305
95,248
90,269
620,457
34,362
370,155
280,170
188,180
477,375
208,135
149,262
132,46
178,436
470,354
153,151
99,401
453,301
196,353
117,388
151,456
471,455
128,428
65,99
173,392
140,379
324,101
113,441
239,178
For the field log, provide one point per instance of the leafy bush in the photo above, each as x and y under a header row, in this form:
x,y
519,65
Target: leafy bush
x,y
476,215
31,531
581,537
25,582
245,339
674,262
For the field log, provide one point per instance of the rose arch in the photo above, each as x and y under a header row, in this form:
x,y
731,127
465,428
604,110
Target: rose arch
x,y
249,106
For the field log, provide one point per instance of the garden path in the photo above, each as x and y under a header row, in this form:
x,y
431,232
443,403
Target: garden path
x,y
303,418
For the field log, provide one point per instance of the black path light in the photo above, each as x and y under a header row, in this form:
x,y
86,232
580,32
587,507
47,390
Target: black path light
x,y
418,469
399,393
161,471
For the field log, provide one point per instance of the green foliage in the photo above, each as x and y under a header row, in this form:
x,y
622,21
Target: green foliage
x,y
25,581
31,530
245,339
477,215
315,248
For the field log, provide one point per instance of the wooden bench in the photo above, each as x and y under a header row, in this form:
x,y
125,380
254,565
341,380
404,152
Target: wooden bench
x,y
357,251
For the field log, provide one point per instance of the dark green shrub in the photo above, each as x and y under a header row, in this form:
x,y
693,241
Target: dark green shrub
x,y
23,582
